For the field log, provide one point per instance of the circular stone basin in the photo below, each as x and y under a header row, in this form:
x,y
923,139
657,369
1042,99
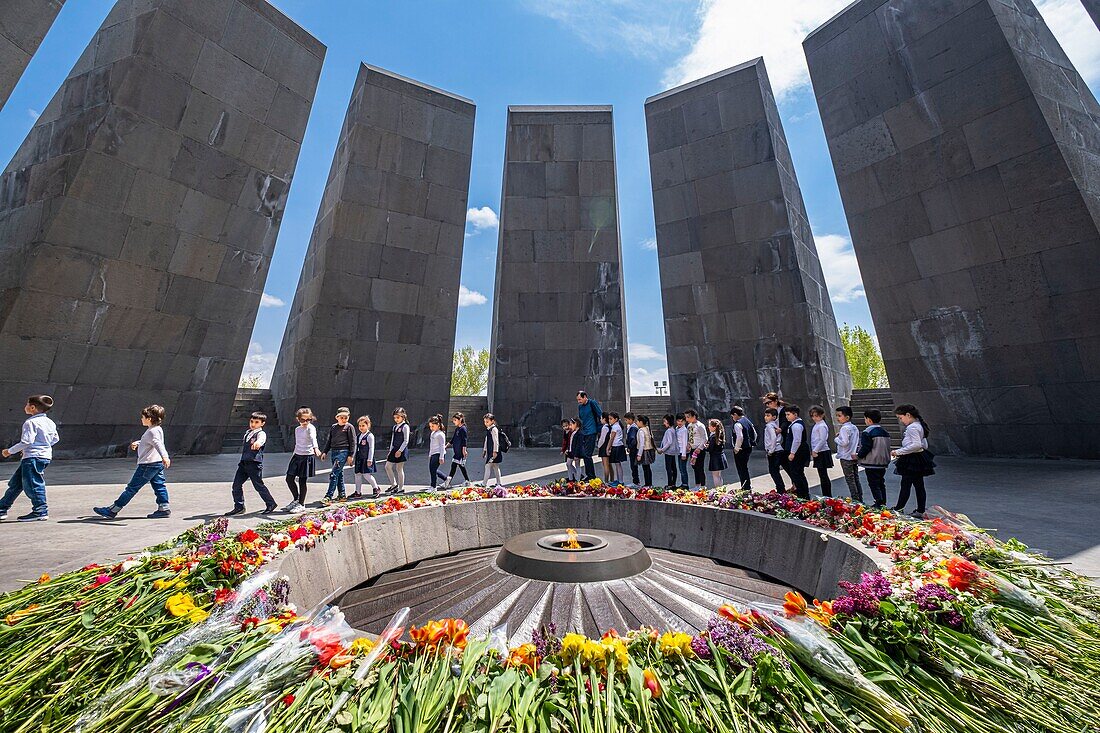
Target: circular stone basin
x,y
603,556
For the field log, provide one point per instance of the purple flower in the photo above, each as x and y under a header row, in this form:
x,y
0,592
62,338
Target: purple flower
x,y
700,646
932,597
863,598
741,644
546,641
498,492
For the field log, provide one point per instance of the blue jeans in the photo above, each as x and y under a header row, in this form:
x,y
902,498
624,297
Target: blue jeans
x,y
146,473
336,478
28,479
683,465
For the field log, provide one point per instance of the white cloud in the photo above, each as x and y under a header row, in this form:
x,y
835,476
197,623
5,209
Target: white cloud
x,y
270,301
259,362
645,352
641,28
470,297
482,219
838,263
641,380
1077,34
33,114
650,244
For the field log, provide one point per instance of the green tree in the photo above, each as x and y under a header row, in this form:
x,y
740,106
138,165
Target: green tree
x,y
251,381
864,358
471,371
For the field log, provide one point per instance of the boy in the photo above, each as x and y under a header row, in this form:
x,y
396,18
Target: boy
x,y
36,442
773,447
340,446
152,459
796,450
820,451
847,443
874,455
697,441
632,446
566,435
682,447
744,435
251,466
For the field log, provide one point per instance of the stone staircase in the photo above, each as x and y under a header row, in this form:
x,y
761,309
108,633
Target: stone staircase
x,y
245,403
655,407
881,400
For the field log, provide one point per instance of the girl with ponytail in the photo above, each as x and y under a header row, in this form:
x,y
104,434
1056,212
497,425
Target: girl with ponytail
x,y
914,460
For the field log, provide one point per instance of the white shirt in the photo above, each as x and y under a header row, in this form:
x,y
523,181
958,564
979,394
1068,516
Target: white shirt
x,y
668,442
847,442
37,438
437,444
697,435
819,437
913,440
645,440
738,436
605,432
404,430
773,437
616,435
796,436
682,440
370,448
305,440
492,441
150,447
257,436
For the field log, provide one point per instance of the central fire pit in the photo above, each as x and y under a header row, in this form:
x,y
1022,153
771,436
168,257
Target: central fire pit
x,y
583,556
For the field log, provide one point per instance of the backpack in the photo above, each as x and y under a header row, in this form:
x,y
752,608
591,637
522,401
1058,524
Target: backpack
x,y
505,442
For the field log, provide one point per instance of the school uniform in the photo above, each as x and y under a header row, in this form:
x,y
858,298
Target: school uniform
x,y
302,464
744,435
603,446
647,454
617,451
399,443
493,453
914,462
574,454
847,443
697,445
670,451
716,456
632,451
823,461
459,441
364,462
250,467
773,448
874,456
796,442
437,449
682,456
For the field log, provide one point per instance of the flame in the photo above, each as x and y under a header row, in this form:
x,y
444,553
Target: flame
x,y
571,543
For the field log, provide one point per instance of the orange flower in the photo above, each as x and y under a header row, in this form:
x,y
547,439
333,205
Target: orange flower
x,y
451,632
13,618
651,683
822,612
963,573
610,634
794,604
744,620
524,657
44,578
456,631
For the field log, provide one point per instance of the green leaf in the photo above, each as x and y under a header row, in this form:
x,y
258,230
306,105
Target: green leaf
x,y
87,619
143,641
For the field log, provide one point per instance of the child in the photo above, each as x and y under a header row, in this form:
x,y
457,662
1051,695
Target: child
x,y
874,455
631,435
574,455
364,459
302,465
603,446
847,443
459,451
340,447
796,447
492,452
744,435
616,454
697,446
36,442
251,466
647,453
669,450
773,447
914,461
399,452
682,447
437,450
152,459
820,451
716,441
565,440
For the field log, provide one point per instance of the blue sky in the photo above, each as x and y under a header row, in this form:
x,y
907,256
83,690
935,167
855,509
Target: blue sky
x,y
501,52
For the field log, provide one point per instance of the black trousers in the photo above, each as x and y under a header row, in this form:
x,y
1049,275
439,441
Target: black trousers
x,y
250,471
775,460
909,481
876,481
797,471
633,457
588,447
741,463
826,482
647,474
670,470
700,469
434,462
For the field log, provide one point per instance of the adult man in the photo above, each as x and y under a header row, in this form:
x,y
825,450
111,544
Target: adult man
x,y
591,416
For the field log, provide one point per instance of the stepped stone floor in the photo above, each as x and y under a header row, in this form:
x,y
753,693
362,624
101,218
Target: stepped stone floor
x,y
1051,505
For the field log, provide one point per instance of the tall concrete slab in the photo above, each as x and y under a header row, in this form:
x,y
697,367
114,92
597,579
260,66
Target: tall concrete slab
x,y
1093,6
138,219
558,323
746,307
967,149
373,321
23,25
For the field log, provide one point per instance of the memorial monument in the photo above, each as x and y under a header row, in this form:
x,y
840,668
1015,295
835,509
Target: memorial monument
x,y
746,307
23,25
138,219
966,147
558,323
372,325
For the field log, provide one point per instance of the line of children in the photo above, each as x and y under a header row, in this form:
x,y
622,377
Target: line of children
x,y
37,438
820,452
152,459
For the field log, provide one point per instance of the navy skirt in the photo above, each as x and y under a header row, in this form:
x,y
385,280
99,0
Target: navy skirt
x,y
717,461
301,466
915,464
618,454
824,459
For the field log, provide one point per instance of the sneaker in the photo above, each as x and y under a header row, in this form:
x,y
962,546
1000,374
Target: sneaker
x,y
446,484
3,515
356,495
234,511
327,501
341,498
160,514
394,490
270,509
33,517
291,506
104,511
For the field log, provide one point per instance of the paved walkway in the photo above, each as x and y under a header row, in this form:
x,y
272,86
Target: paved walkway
x,y
1051,505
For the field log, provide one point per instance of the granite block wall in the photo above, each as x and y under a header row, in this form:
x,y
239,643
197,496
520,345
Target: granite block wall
x,y
138,219
746,307
967,149
23,25
558,323
372,325
1093,7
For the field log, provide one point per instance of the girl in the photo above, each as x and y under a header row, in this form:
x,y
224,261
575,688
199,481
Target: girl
x,y
820,451
302,464
399,447
670,450
616,453
716,441
437,449
152,459
914,461
647,452
603,446
364,459
492,452
459,450
566,427
574,455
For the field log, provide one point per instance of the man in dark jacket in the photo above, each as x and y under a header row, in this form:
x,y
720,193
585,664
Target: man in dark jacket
x,y
874,455
590,414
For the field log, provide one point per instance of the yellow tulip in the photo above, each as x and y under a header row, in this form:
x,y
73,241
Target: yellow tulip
x,y
181,604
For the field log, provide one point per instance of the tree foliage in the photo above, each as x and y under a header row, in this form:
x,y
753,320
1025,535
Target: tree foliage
x,y
864,358
471,371
251,381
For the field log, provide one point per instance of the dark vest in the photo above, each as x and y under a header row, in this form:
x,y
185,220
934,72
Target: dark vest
x,y
803,453
749,430
247,454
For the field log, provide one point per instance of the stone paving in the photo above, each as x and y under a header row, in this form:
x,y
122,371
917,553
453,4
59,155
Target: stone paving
x,y
1048,504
